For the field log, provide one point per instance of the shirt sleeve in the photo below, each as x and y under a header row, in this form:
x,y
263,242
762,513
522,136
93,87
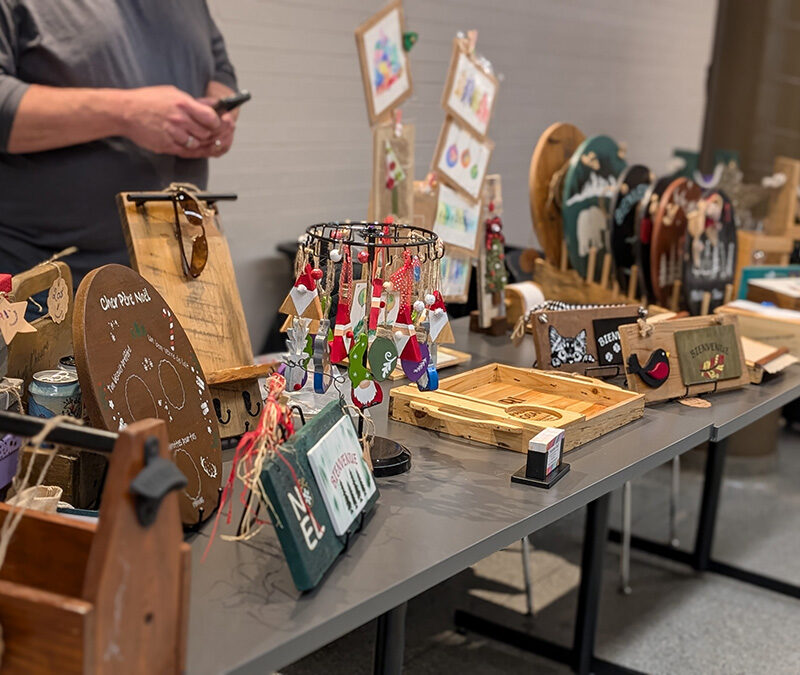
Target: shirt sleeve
x,y
11,88
224,71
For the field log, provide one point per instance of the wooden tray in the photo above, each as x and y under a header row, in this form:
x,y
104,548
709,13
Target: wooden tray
x,y
507,406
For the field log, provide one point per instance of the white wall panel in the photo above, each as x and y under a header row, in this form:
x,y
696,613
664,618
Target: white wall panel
x,y
631,68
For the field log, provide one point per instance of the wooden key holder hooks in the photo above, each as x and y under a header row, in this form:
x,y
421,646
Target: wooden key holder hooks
x,y
110,597
208,307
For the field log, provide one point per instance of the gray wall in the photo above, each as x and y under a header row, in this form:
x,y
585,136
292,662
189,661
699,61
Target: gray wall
x,y
630,68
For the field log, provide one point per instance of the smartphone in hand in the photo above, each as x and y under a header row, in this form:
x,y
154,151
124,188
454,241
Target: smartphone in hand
x,y
229,103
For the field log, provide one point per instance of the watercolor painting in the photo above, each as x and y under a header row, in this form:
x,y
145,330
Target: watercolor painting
x,y
457,219
384,62
470,91
462,159
456,270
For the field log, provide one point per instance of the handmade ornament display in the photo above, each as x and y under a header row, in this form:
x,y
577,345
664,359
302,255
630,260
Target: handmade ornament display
x,y
709,252
549,161
633,183
158,229
135,362
506,407
588,187
581,338
683,357
669,229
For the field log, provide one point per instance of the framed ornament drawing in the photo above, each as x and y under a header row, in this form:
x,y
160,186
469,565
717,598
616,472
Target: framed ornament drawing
x,y
470,90
461,159
457,220
392,172
456,272
384,62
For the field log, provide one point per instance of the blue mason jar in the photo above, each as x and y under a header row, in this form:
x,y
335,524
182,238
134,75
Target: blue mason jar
x,y
54,392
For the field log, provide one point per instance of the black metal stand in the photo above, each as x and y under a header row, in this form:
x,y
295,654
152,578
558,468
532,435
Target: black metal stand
x,y
581,655
700,558
390,641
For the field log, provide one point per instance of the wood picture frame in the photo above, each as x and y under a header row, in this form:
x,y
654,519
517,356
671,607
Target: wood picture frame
x,y
456,273
466,78
455,145
458,221
389,24
382,202
644,340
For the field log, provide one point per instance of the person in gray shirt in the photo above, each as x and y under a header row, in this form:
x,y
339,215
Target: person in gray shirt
x,y
99,97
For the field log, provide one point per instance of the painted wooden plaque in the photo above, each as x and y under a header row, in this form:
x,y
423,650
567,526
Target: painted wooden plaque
x,y
135,362
709,253
653,360
392,173
581,340
589,184
632,186
553,150
669,229
708,354
645,213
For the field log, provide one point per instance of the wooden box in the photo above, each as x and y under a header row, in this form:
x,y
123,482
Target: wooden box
x,y
79,473
783,293
507,406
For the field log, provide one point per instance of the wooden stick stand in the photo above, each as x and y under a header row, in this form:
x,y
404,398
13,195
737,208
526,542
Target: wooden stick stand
x,y
209,307
108,598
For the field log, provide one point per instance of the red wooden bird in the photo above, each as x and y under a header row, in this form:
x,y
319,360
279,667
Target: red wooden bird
x,y
655,372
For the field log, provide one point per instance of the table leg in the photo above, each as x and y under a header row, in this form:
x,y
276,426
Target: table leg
x,y
390,641
594,542
712,485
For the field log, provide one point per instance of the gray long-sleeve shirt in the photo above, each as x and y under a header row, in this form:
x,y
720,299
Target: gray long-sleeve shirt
x,y
58,198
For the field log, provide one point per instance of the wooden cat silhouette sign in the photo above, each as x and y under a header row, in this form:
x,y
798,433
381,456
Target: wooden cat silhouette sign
x,y
135,362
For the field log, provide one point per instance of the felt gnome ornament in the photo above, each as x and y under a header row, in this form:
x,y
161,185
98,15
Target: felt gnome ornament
x,y
365,391
441,331
303,299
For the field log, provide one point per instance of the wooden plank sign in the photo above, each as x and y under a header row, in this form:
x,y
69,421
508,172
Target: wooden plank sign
x,y
633,184
506,407
582,339
683,357
392,192
135,362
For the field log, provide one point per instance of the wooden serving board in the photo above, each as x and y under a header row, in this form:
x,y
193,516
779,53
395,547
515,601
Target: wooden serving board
x,y
553,150
209,307
507,406
661,335
135,362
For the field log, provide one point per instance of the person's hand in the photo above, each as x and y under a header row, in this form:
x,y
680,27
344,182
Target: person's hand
x,y
166,120
222,139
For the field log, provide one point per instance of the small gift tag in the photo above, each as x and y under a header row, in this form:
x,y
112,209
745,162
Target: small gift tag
x,y
58,300
12,319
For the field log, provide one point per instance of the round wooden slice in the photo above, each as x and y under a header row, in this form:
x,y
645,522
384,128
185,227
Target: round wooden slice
x,y
134,362
553,150
588,188
632,186
709,252
669,228
645,213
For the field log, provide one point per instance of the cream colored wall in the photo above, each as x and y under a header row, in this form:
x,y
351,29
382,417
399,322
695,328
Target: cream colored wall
x,y
630,68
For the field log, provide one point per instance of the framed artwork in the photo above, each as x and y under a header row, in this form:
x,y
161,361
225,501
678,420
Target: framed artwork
x,y
384,62
457,220
470,91
456,270
392,173
461,158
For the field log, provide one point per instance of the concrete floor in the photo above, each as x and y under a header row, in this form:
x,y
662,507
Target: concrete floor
x,y
675,621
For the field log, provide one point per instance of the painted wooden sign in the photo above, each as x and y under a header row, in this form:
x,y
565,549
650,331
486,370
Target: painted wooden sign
x,y
645,213
588,187
656,360
392,192
669,230
135,362
633,184
552,152
581,340
709,252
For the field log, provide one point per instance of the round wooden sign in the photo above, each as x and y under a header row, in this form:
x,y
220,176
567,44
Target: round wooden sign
x,y
553,150
669,228
588,187
135,362
645,213
709,251
633,183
